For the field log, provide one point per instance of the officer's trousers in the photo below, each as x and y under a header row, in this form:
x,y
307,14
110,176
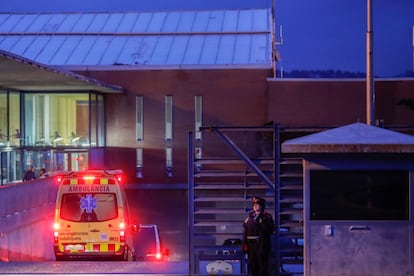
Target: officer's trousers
x,y
258,258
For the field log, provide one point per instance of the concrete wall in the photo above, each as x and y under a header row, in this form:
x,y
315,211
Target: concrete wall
x,y
26,220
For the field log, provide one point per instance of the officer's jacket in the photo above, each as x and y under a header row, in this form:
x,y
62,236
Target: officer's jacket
x,y
260,226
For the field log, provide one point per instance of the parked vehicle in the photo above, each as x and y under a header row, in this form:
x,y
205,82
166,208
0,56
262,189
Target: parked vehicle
x,y
92,217
231,247
147,243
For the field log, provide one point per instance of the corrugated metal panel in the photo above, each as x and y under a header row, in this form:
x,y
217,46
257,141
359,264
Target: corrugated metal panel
x,y
112,51
172,21
215,21
200,22
194,49
227,42
128,20
24,23
186,22
161,53
194,21
50,50
65,50
239,37
83,23
261,49
261,24
37,46
99,48
23,44
8,42
39,23
230,21
242,50
178,48
142,23
82,50
245,21
10,21
210,49
112,23
68,23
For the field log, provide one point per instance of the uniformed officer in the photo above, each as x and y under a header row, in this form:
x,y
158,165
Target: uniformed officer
x,y
258,228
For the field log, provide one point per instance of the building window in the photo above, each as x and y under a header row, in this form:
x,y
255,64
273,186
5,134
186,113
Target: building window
x,y
56,119
139,118
3,118
14,122
198,110
97,122
48,130
59,119
139,162
169,160
168,118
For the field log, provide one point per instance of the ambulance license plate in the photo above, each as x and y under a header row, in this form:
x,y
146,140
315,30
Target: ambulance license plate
x,y
75,247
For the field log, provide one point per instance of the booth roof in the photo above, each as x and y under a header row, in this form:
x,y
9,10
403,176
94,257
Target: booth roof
x,y
353,138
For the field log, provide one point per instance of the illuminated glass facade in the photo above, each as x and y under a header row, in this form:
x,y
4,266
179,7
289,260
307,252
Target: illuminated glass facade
x,y
48,130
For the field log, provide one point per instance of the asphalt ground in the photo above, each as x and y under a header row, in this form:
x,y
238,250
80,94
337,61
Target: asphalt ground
x,y
94,268
168,209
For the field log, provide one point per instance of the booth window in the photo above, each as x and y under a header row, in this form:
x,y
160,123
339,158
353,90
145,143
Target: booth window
x,y
359,195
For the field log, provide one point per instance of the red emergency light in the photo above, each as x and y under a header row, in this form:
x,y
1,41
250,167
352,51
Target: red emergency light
x,y
119,178
122,232
56,232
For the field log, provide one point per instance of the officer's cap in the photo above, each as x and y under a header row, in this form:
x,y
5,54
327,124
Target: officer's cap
x,y
259,201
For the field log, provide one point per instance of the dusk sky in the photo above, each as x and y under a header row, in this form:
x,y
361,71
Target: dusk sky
x,y
317,35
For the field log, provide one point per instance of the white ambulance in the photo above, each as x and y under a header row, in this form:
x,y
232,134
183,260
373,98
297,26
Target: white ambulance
x,y
92,217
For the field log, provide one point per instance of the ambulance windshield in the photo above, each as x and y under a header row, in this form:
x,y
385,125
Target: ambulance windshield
x,y
87,207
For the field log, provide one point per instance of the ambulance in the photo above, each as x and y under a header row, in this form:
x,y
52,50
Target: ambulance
x,y
92,217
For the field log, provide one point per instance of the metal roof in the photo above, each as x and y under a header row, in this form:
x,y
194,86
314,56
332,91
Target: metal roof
x,y
20,73
188,38
353,138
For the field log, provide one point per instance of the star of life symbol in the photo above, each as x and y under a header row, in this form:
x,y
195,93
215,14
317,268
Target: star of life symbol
x,y
88,203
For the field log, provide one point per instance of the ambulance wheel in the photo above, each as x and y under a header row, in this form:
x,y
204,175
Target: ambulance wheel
x,y
131,257
126,254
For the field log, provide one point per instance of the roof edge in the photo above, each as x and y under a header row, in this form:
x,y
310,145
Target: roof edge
x,y
100,86
348,148
137,67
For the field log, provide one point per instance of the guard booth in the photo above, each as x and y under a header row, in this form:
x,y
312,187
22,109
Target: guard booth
x,y
358,201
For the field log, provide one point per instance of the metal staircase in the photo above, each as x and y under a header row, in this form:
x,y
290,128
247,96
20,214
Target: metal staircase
x,y
227,167
290,213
